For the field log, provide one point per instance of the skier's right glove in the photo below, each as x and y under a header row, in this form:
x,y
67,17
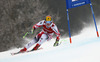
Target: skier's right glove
x,y
31,32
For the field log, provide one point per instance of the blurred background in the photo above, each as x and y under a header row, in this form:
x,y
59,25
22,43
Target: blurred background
x,y
18,16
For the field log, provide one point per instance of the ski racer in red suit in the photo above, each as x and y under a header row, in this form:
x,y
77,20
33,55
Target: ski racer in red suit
x,y
49,28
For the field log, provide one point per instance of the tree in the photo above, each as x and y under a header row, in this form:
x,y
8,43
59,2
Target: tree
x,y
17,17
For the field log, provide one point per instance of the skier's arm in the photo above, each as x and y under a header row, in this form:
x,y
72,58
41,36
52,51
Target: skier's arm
x,y
56,31
39,24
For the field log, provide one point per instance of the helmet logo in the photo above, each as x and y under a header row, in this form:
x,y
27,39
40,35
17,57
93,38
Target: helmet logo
x,y
48,18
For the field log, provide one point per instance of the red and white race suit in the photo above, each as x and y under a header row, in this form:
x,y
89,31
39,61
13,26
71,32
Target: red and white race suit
x,y
45,34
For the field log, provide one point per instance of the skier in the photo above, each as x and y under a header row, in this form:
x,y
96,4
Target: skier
x,y
49,28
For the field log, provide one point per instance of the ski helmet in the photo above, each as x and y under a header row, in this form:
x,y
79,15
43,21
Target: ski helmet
x,y
48,19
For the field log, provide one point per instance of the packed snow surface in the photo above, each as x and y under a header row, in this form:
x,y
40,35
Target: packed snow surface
x,y
85,47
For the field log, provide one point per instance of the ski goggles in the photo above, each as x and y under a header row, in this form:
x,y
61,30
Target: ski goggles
x,y
48,21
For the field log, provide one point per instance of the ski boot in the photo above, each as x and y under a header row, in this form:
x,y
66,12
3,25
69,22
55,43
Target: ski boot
x,y
36,47
23,50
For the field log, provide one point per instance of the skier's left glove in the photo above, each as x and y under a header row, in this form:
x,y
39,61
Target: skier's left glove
x,y
56,43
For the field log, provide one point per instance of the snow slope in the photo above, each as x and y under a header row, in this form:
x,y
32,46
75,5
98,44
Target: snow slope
x,y
84,48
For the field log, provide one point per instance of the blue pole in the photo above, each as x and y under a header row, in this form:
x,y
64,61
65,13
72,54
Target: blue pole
x,y
94,20
69,26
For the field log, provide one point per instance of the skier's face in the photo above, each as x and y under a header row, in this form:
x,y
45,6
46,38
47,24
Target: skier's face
x,y
48,24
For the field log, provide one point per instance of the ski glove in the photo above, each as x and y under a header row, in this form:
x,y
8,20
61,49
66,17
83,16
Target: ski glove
x,y
56,43
31,32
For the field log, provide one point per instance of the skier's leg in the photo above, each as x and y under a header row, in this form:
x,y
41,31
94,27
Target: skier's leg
x,y
29,44
42,39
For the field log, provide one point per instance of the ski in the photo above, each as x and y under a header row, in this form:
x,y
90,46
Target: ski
x,y
34,50
15,53
24,52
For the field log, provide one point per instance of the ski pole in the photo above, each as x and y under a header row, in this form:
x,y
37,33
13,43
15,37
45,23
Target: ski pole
x,y
25,35
28,33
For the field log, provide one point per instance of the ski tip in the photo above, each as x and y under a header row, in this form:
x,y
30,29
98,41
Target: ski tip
x,y
12,54
15,53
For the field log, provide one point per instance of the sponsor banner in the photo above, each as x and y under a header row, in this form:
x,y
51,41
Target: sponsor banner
x,y
76,3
